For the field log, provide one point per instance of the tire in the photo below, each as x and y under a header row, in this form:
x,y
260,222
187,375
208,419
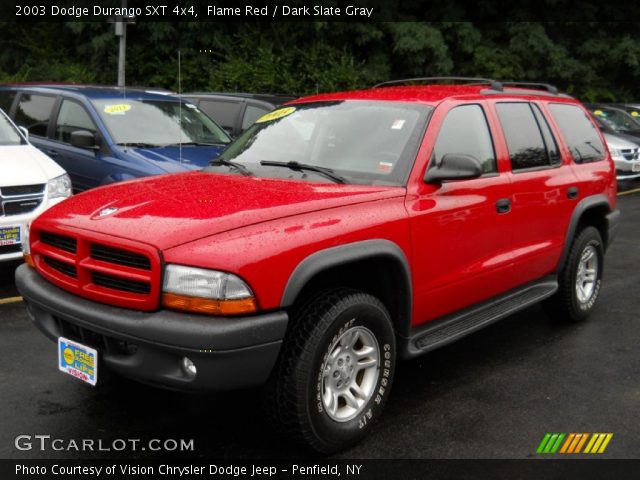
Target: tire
x,y
317,395
571,302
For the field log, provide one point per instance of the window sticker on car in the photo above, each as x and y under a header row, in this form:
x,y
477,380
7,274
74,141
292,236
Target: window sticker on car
x,y
397,124
599,113
385,167
634,114
118,109
276,114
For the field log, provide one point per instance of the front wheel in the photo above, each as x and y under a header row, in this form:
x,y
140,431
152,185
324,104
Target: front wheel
x,y
580,279
335,370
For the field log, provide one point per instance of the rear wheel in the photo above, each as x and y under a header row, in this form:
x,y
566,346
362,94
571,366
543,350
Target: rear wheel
x,y
580,279
335,370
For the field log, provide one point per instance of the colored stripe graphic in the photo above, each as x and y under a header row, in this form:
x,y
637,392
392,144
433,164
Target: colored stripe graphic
x,y
573,443
550,443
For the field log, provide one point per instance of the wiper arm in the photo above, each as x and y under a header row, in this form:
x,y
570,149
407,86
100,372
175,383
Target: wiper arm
x,y
197,144
327,172
238,166
138,144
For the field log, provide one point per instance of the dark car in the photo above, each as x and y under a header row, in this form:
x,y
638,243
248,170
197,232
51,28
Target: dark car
x,y
101,135
235,112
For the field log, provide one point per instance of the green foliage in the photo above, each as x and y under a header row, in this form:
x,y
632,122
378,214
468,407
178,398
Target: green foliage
x,y
594,61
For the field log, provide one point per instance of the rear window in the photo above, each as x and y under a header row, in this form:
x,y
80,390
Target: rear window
x,y
34,112
579,133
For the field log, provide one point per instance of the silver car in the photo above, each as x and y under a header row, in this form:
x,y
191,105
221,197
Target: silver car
x,y
626,156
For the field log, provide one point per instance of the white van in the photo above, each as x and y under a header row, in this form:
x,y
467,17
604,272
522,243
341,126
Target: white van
x,y
30,182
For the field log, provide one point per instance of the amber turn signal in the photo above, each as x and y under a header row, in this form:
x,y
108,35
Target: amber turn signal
x,y
29,260
209,306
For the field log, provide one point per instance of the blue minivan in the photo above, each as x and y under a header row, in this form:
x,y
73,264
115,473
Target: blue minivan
x,y
101,135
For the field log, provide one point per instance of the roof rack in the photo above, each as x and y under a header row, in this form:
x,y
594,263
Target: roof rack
x,y
535,85
494,84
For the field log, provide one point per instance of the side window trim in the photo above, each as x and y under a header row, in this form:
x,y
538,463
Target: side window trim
x,y
540,117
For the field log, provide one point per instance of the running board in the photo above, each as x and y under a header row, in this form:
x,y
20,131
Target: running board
x,y
440,332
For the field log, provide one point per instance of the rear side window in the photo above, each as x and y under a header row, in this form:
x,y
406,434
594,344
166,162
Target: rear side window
x,y
72,117
224,113
34,112
465,131
251,114
524,134
579,133
6,100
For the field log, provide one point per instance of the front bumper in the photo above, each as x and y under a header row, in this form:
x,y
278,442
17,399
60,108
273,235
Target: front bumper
x,y
229,353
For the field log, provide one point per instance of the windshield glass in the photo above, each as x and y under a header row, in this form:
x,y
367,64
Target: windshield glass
x,y
8,133
367,142
158,123
617,120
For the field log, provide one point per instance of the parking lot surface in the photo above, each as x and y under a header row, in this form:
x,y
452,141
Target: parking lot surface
x,y
492,395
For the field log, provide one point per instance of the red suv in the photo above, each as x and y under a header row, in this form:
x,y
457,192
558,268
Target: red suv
x,y
339,233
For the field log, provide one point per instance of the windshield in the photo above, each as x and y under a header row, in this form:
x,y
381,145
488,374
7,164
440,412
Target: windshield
x,y
367,142
617,120
8,133
158,123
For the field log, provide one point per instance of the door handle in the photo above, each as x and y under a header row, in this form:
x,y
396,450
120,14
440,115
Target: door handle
x,y
572,192
503,205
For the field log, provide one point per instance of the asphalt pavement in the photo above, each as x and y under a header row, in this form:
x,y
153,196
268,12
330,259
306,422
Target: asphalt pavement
x,y
493,394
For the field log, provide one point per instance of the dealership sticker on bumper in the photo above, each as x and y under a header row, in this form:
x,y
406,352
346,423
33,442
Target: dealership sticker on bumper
x,y
9,235
78,360
635,167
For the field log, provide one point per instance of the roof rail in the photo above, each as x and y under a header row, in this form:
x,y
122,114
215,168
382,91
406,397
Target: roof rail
x,y
496,85
535,85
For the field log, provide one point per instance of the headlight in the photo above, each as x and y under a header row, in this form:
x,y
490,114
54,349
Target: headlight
x,y
616,153
59,187
206,291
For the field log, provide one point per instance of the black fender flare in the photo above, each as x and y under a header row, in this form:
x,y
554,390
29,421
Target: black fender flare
x,y
587,203
326,259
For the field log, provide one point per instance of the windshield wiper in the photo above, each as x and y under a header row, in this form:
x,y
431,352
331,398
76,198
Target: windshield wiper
x,y
197,144
238,166
138,144
327,172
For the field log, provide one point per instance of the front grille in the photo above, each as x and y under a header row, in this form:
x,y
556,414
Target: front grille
x,y
630,154
119,256
126,275
117,283
21,206
63,267
4,249
21,190
62,242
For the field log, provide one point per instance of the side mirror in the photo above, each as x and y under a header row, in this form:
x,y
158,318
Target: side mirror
x,y
25,133
84,139
454,166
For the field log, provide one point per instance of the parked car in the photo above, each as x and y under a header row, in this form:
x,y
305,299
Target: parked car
x,y
625,155
616,121
337,235
102,135
236,112
30,182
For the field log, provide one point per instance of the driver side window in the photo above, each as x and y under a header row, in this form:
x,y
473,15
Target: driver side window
x,y
465,131
72,117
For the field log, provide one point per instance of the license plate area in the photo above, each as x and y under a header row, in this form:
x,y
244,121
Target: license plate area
x,y
78,360
635,167
10,235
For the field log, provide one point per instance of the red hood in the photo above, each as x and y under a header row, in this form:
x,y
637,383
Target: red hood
x,y
170,210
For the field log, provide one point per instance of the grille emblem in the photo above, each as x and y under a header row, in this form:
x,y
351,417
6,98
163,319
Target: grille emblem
x,y
107,211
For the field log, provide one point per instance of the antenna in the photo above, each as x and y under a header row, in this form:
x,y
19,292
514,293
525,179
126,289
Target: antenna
x,y
179,109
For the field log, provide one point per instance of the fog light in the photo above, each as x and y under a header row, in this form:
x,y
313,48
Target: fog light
x,y
189,367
